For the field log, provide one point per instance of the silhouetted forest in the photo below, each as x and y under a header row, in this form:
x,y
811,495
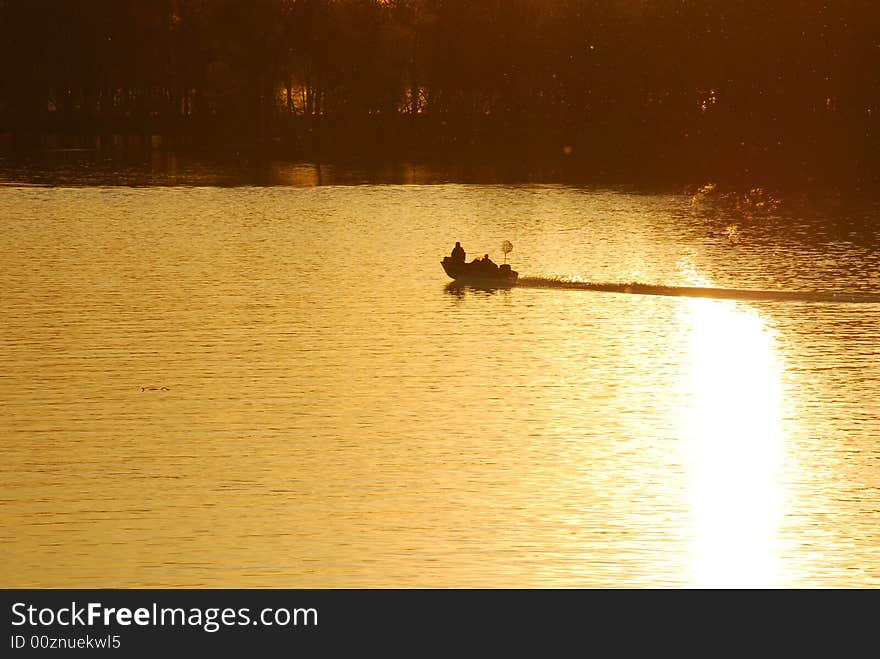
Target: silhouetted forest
x,y
787,87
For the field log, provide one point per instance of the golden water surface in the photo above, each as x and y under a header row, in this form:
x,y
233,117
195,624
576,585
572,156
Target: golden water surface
x,y
274,387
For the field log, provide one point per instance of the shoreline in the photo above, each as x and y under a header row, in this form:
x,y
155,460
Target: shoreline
x,y
472,163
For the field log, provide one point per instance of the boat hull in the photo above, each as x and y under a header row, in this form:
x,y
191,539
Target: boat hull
x,y
478,275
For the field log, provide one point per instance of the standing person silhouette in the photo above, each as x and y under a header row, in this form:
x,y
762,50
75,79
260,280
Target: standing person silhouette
x,y
458,252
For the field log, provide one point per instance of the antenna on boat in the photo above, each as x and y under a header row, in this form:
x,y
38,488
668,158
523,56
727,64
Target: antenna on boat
x,y
507,248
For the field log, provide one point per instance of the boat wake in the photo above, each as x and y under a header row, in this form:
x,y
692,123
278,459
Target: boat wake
x,y
636,288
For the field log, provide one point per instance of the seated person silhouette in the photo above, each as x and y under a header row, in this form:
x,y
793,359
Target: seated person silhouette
x,y
488,265
458,252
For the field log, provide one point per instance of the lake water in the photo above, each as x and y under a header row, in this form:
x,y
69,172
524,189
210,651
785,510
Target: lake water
x,y
207,384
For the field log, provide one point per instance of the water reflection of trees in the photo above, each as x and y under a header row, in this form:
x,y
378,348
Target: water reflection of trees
x,y
788,85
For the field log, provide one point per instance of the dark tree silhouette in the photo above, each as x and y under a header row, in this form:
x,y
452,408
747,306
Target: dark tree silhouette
x,y
704,88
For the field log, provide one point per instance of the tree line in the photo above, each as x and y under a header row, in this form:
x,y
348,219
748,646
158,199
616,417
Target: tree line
x,y
785,85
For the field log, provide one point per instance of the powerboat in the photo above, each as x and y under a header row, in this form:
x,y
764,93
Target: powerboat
x,y
479,273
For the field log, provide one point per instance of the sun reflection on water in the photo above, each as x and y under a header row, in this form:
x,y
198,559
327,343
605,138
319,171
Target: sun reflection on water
x,y
732,422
